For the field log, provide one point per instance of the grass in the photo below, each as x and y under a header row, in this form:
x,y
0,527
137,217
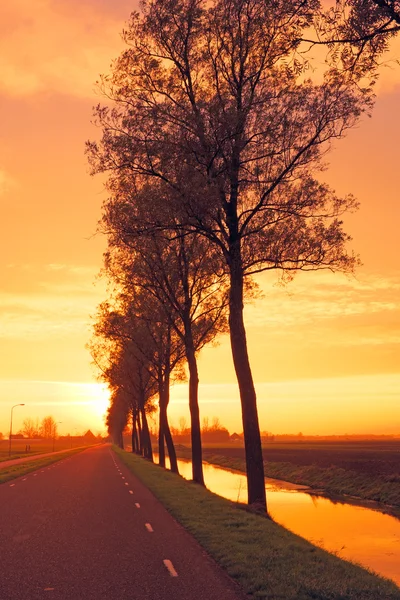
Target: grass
x,y
18,447
266,560
14,471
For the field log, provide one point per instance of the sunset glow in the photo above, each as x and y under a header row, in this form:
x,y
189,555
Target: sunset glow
x,y
325,349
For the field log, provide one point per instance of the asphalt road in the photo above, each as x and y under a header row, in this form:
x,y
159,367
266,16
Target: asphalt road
x,y
86,529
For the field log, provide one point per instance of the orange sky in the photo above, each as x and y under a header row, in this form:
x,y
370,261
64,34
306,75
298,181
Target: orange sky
x,y
325,350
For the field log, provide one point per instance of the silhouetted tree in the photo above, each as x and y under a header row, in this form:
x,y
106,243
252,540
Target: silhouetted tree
x,y
356,33
48,427
213,106
115,348
180,273
30,428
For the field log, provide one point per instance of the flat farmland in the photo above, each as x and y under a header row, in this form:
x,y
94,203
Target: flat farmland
x,y
372,457
18,447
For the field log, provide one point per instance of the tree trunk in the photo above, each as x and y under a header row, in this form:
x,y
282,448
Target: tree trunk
x,y
167,432
147,449
197,453
134,432
140,433
161,433
251,429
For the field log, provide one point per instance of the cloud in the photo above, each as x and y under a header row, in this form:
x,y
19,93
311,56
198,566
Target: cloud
x,y
58,46
323,297
47,302
6,182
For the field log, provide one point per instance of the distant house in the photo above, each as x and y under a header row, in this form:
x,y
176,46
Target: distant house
x,y
235,437
89,437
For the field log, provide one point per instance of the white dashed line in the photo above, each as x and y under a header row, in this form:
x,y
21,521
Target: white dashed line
x,y
123,477
137,504
12,484
34,474
24,479
130,491
170,567
149,527
126,483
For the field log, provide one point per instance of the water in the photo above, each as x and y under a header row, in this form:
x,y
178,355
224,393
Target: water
x,y
359,534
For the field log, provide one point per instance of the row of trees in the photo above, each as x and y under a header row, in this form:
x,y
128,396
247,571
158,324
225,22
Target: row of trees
x,y
216,128
33,428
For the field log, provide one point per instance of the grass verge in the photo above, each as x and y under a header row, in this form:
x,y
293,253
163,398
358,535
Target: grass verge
x,y
14,471
267,560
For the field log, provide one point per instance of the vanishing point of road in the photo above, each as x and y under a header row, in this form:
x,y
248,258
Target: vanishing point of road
x,y
85,528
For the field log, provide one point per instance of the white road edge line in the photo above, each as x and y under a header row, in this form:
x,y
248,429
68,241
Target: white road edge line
x,y
170,567
149,527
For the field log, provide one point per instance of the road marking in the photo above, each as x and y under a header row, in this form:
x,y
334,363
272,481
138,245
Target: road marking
x,y
149,527
12,484
137,504
123,477
34,474
170,567
130,491
42,471
24,479
126,483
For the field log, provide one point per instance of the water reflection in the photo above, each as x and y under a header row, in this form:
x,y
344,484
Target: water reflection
x,y
355,533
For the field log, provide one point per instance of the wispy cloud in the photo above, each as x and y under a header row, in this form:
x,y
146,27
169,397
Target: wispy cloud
x,y
58,46
6,182
323,297
54,302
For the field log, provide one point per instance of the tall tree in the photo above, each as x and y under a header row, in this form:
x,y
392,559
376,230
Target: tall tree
x,y
180,273
48,427
118,350
212,103
30,428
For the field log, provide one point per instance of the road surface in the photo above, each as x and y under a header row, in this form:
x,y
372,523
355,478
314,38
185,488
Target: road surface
x,y
85,528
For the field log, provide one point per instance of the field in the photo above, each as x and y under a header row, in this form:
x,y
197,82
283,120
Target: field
x,y
18,447
366,470
372,458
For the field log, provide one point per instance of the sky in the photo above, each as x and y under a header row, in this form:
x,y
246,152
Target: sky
x,y
325,349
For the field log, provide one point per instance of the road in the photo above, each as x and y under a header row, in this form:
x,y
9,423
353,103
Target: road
x,y
85,528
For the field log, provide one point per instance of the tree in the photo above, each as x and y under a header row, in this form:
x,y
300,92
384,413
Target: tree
x,y
48,427
118,350
30,428
356,33
181,274
137,342
212,103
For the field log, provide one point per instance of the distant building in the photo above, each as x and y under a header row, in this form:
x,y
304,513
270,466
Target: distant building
x,y
89,437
